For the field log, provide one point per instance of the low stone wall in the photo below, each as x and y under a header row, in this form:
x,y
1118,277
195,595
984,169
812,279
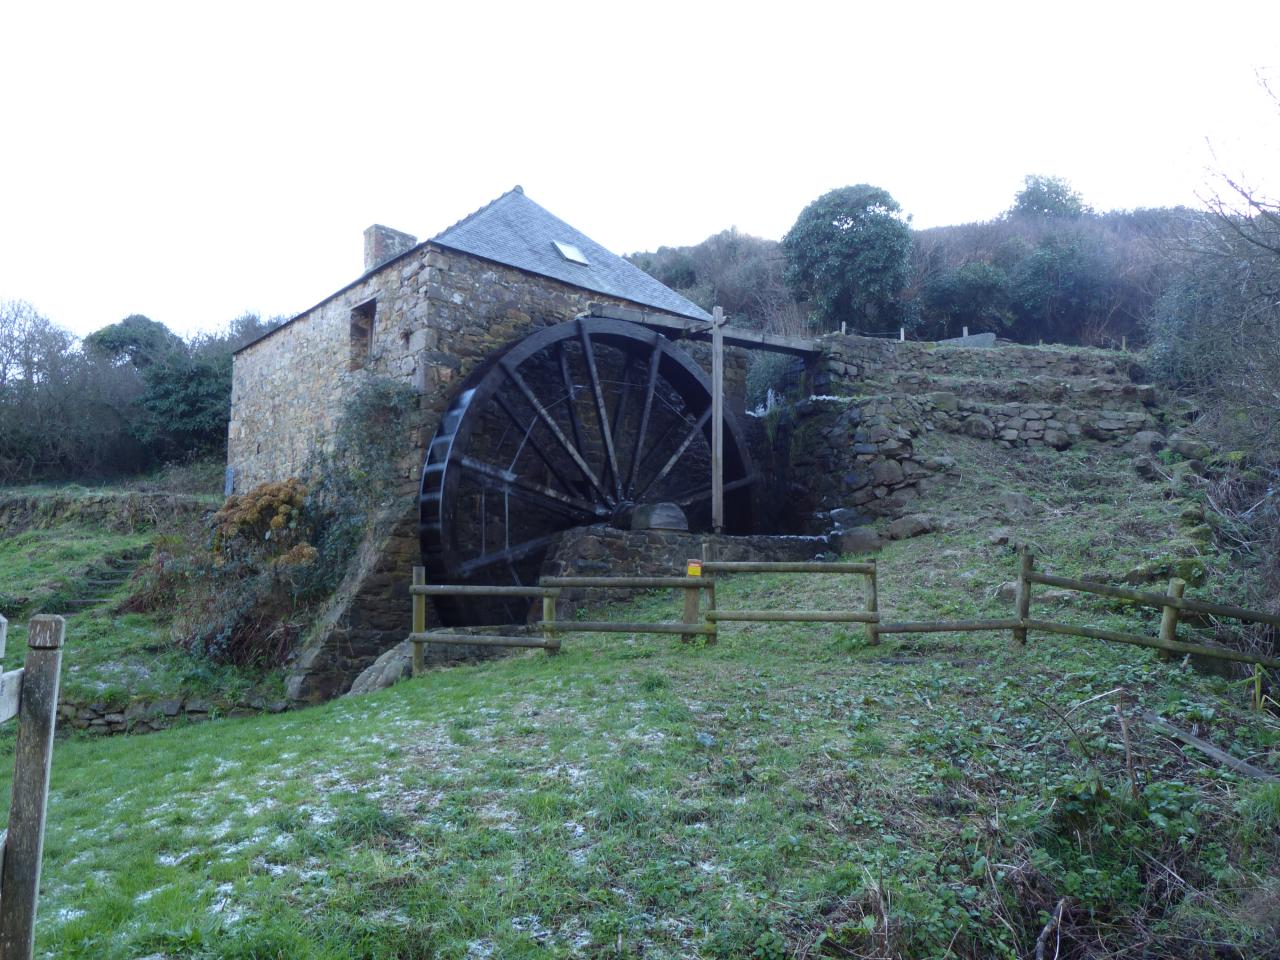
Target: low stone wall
x,y
1035,424
147,716
851,359
1076,392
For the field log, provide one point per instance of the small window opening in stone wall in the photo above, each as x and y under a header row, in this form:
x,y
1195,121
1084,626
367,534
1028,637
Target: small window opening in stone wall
x,y
362,334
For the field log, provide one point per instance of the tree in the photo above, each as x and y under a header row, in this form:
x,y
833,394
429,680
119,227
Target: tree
x,y
974,294
136,339
1058,288
1048,198
848,255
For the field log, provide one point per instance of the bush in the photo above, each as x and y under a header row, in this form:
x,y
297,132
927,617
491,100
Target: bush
x,y
244,587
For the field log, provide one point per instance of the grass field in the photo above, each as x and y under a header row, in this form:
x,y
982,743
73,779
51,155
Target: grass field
x,y
790,792
80,569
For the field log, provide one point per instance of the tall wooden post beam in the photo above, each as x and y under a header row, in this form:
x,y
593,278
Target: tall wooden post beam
x,y
717,420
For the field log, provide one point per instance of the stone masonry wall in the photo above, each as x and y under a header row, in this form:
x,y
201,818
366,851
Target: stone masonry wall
x,y
851,458
843,459
853,359
438,314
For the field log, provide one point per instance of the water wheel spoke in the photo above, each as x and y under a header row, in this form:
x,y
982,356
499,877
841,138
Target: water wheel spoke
x,y
496,478
509,554
574,453
575,422
620,410
602,414
675,457
537,448
651,387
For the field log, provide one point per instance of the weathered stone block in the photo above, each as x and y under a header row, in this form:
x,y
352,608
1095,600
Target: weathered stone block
x,y
979,426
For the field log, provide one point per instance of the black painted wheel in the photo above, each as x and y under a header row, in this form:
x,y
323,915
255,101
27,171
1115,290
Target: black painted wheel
x,y
574,425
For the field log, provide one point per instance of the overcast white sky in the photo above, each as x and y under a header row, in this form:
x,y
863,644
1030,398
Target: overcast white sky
x,y
194,162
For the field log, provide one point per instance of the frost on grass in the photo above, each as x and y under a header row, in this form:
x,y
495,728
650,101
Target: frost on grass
x,y
173,859
222,906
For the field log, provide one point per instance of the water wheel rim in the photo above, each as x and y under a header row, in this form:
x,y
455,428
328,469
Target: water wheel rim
x,y
446,462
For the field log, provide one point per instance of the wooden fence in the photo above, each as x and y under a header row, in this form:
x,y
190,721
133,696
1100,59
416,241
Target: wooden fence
x,y
548,590
694,585
869,615
29,693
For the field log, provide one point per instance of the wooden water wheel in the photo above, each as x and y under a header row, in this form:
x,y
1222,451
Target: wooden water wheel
x,y
576,424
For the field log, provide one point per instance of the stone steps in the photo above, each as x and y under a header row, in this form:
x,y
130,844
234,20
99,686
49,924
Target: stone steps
x,y
1075,392
1038,424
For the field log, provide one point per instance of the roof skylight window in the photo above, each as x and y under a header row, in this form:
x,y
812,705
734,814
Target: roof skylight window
x,y
572,253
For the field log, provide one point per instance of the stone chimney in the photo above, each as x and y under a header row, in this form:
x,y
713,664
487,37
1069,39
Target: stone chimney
x,y
382,244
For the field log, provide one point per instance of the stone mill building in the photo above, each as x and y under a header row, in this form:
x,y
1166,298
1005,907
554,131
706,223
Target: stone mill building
x,y
426,314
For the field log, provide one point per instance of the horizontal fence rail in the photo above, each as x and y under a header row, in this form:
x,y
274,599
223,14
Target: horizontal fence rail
x,y
747,566
615,626
635,583
459,590
869,616
1137,639
1170,604
1149,599
947,626
476,639
697,622
420,636
794,616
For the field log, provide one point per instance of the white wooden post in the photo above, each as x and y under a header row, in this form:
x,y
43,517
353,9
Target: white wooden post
x,y
902,334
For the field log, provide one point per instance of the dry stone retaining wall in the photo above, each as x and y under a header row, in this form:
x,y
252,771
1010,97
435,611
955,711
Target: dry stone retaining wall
x,y
852,359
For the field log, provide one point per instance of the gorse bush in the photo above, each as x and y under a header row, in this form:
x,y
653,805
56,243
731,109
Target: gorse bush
x,y
268,520
246,585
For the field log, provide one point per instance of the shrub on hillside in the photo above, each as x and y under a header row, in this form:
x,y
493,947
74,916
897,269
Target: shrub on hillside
x,y
243,587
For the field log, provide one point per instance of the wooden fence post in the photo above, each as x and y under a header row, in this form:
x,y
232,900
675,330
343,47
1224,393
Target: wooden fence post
x,y
1023,595
549,635
873,604
1169,617
419,620
711,590
33,756
692,601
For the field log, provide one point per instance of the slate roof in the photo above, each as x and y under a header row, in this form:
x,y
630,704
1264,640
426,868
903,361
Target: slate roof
x,y
515,231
